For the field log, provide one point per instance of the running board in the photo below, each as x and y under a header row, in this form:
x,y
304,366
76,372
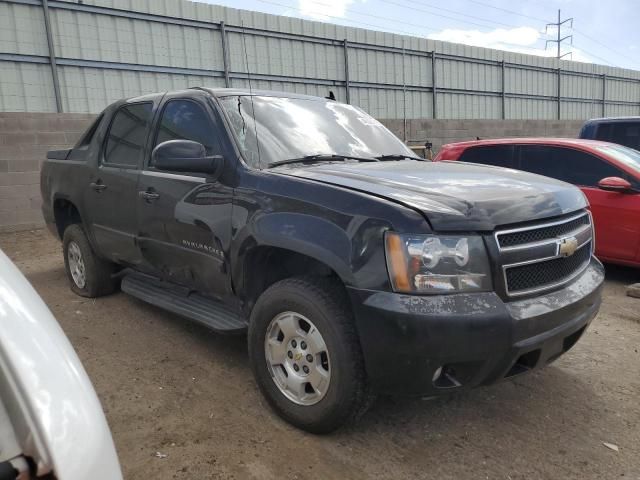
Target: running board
x,y
176,299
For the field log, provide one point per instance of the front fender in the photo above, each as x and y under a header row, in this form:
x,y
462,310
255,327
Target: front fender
x,y
301,233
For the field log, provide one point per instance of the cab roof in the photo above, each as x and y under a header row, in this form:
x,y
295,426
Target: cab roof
x,y
224,92
612,120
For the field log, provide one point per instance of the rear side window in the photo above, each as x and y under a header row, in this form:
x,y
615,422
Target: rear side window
x,y
128,134
187,120
623,133
496,155
566,164
88,135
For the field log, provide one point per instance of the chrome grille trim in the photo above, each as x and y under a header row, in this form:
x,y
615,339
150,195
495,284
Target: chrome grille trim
x,y
583,233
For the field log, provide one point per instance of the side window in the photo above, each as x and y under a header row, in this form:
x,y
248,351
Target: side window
x,y
623,133
566,164
128,134
187,120
496,155
539,159
584,169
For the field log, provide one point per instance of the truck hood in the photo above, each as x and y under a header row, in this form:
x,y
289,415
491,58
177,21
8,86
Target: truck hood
x,y
453,195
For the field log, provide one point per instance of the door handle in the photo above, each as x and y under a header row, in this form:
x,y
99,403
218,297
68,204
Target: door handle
x,y
98,187
148,196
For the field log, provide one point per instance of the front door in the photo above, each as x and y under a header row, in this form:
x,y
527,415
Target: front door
x,y
111,190
185,219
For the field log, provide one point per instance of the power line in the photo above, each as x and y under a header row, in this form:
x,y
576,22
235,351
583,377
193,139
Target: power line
x,y
378,17
431,6
512,12
594,40
401,22
341,19
384,28
575,30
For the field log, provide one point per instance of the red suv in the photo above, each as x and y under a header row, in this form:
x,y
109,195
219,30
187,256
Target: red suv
x,y
607,173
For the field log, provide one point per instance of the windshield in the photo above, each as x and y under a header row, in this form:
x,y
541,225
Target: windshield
x,y
290,128
625,155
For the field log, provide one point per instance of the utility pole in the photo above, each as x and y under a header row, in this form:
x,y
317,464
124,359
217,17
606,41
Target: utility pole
x,y
559,40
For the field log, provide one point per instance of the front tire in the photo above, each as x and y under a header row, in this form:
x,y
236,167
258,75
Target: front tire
x,y
89,275
305,354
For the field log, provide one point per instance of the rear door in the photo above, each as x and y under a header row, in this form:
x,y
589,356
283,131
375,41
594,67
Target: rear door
x,y
617,231
184,220
111,187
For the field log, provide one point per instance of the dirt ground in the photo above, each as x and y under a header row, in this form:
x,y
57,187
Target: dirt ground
x,y
173,387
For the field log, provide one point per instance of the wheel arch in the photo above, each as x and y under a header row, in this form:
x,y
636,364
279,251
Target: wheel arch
x,y
65,213
263,265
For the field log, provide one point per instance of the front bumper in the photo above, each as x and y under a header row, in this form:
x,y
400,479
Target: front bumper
x,y
427,345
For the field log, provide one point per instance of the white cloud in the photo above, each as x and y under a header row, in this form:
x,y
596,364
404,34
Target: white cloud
x,y
324,10
519,40
522,36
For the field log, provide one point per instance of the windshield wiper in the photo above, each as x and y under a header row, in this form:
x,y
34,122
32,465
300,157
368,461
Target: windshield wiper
x,y
398,156
321,157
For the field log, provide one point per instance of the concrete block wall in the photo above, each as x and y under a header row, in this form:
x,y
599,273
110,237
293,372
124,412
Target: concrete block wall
x,y
440,132
24,141
26,137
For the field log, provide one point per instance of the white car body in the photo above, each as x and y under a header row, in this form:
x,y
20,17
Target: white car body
x,y
49,411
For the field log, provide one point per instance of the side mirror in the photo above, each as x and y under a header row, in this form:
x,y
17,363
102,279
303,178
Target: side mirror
x,y
185,156
615,184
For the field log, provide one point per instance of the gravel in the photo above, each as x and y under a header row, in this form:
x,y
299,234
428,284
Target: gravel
x,y
182,404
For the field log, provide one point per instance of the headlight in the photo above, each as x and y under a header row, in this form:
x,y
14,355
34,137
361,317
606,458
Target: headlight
x,y
437,264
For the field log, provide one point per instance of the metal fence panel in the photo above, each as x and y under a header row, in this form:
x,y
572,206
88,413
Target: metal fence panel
x,y
468,76
581,110
293,58
622,91
26,87
107,49
531,82
465,106
531,109
22,29
87,90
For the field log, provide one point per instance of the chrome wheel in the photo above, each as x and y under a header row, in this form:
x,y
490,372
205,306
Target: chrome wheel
x,y
297,358
76,264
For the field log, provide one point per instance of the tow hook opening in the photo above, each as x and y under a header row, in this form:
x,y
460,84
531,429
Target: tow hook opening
x,y
524,363
571,340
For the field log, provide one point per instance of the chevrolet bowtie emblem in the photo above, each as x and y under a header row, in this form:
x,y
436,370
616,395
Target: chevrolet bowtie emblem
x,y
568,246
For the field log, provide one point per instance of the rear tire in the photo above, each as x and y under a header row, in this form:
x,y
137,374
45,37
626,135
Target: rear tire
x,y
334,388
89,275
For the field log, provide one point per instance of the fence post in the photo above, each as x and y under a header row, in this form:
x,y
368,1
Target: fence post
x,y
225,55
345,44
52,56
559,93
503,91
604,94
434,90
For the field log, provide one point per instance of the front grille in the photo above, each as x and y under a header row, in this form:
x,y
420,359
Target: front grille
x,y
547,273
540,257
530,236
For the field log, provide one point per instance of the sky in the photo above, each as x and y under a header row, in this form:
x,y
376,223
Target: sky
x,y
604,31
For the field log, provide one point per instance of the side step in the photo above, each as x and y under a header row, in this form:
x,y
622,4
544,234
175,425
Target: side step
x,y
177,300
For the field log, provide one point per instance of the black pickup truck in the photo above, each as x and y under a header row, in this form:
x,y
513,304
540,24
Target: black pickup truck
x,y
354,266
